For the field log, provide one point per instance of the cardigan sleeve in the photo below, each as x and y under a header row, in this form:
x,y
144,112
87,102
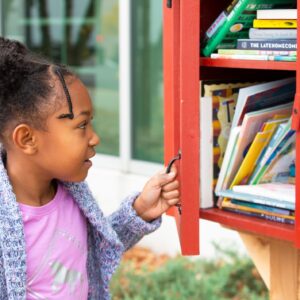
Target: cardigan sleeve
x,y
129,227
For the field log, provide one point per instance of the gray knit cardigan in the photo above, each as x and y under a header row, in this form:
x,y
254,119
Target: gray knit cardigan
x,y
108,238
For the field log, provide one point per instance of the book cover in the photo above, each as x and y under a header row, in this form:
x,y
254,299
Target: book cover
x,y
276,190
265,34
257,52
288,139
258,44
279,169
251,124
261,216
220,20
274,23
229,204
264,200
238,22
216,112
260,207
260,96
267,14
229,153
253,57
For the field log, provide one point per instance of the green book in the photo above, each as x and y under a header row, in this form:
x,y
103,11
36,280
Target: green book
x,y
239,21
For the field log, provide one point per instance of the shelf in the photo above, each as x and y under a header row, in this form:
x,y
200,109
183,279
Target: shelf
x,y
247,64
249,224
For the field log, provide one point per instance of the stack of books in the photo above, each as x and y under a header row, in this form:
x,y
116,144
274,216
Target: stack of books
x,y
254,30
247,148
259,161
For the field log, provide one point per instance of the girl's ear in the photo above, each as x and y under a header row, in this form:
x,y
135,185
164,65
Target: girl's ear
x,y
24,139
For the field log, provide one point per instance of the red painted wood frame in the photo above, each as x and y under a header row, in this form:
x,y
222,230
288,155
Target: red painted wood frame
x,y
181,110
181,97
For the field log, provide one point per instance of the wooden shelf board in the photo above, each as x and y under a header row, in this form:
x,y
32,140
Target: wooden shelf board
x,y
249,224
247,64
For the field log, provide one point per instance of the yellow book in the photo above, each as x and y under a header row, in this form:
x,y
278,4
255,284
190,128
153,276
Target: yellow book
x,y
259,143
274,23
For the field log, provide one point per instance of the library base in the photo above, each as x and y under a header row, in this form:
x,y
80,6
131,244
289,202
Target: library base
x,y
278,263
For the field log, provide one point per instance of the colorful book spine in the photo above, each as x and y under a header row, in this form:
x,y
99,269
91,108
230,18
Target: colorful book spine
x,y
238,22
220,20
263,200
257,52
254,57
286,45
274,23
273,14
259,33
271,209
262,216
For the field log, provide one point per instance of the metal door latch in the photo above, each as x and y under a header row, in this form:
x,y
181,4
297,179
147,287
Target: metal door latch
x,y
169,3
168,170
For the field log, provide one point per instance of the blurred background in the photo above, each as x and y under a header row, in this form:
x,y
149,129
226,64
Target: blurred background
x,y
116,49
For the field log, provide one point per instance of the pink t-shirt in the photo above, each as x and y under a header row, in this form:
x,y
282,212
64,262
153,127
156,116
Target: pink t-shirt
x,y
56,249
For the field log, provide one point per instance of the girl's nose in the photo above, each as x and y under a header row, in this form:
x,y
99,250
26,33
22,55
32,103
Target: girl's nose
x,y
95,139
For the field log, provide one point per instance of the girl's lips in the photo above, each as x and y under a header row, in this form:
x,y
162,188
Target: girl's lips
x,y
88,163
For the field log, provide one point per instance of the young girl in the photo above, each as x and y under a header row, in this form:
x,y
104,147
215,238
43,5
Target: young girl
x,y
55,242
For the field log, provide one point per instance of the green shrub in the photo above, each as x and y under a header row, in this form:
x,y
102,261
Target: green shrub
x,y
228,276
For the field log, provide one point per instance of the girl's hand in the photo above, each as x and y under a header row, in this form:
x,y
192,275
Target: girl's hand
x,y
159,193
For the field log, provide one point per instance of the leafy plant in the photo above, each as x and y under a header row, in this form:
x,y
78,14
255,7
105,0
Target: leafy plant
x,y
229,276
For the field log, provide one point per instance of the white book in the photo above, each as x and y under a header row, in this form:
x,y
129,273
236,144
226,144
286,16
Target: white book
x,y
263,95
262,33
231,148
276,14
275,190
206,152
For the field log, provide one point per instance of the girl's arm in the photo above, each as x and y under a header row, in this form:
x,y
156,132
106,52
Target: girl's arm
x,y
129,227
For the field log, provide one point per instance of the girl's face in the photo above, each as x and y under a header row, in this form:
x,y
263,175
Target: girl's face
x,y
65,149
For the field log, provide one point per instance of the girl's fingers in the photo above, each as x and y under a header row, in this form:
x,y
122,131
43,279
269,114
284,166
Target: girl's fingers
x,y
170,195
172,202
173,185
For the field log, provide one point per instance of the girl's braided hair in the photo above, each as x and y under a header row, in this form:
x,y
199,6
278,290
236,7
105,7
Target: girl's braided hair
x,y
26,87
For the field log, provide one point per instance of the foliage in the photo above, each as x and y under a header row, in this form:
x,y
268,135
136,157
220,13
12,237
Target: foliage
x,y
228,276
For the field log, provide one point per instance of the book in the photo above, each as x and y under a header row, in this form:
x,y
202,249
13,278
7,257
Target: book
x,y
260,141
264,200
238,22
252,98
262,216
274,14
220,20
216,112
248,208
263,95
262,207
274,190
253,57
229,153
271,44
257,52
266,34
274,23
279,169
267,159
250,126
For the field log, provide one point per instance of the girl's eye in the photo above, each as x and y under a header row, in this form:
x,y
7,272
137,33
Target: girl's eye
x,y
83,125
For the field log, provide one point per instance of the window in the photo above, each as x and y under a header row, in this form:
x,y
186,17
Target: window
x,y
126,85
83,35
147,87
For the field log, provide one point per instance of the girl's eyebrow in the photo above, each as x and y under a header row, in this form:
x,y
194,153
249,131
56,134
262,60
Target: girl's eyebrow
x,y
84,113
